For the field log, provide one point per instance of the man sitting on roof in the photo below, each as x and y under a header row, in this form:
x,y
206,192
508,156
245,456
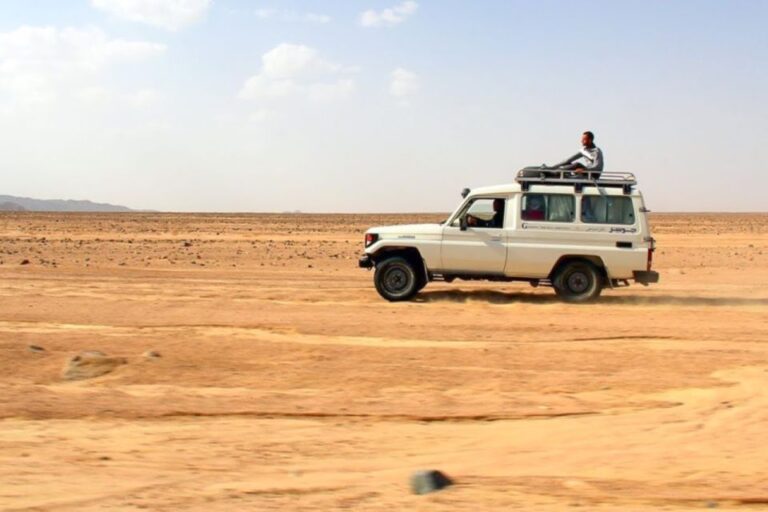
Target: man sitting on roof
x,y
591,155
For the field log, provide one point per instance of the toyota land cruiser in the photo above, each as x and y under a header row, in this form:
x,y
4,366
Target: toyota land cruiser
x,y
573,233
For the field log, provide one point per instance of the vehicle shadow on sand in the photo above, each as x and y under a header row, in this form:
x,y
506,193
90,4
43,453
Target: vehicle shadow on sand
x,y
499,297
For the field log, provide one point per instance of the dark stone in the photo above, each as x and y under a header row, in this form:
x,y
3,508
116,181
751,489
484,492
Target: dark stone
x,y
431,480
90,364
35,348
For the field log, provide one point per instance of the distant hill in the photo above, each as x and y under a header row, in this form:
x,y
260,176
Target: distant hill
x,y
11,203
9,206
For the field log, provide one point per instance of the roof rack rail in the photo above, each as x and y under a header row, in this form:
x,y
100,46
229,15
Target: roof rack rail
x,y
557,176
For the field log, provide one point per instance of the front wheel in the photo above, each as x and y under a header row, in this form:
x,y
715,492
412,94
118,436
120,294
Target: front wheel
x,y
578,281
396,279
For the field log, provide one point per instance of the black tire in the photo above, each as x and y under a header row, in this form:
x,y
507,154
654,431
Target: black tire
x,y
421,281
396,279
578,281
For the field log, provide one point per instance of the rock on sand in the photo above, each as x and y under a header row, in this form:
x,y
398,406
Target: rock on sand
x,y
423,482
90,364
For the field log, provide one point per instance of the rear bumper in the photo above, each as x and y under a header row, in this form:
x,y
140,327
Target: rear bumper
x,y
645,276
365,261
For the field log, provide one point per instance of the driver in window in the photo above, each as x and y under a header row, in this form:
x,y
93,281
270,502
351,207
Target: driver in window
x,y
497,221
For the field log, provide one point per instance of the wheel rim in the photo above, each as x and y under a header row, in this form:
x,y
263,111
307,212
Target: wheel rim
x,y
395,280
578,282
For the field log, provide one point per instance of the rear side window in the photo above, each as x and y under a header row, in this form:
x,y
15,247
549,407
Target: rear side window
x,y
607,210
548,207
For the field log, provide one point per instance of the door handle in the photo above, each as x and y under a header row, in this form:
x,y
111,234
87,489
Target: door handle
x,y
495,239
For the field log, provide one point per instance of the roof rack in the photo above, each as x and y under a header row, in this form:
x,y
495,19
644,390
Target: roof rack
x,y
557,176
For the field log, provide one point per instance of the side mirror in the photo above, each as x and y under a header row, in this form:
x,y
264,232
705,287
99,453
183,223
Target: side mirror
x,y
465,193
463,223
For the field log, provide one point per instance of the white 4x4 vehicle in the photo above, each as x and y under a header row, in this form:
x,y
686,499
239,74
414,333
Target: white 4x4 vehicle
x,y
548,228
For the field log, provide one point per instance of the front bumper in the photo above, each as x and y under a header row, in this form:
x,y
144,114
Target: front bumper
x,y
645,276
365,261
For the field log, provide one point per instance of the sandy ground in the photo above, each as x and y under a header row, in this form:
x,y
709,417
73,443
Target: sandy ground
x,y
286,383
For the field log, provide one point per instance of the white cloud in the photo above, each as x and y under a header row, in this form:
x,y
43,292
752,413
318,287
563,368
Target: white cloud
x,y
168,14
389,17
37,64
260,115
291,70
404,83
292,16
97,95
290,60
334,91
311,17
144,98
263,87
266,13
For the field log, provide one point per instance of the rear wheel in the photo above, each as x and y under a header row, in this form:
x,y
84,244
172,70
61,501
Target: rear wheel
x,y
396,279
578,281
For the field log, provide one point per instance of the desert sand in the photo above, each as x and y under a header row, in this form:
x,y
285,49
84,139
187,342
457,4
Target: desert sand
x,y
282,381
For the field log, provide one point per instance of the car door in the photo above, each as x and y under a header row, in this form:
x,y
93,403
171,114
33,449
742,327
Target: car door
x,y
480,248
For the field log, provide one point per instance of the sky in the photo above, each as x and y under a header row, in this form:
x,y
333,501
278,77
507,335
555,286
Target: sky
x,y
377,105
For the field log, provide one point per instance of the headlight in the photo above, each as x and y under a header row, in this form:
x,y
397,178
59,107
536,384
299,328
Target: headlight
x,y
370,239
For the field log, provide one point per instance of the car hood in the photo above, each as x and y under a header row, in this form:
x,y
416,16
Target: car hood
x,y
407,229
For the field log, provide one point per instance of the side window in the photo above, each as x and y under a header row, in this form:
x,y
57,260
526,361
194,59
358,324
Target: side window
x,y
607,210
486,213
548,207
